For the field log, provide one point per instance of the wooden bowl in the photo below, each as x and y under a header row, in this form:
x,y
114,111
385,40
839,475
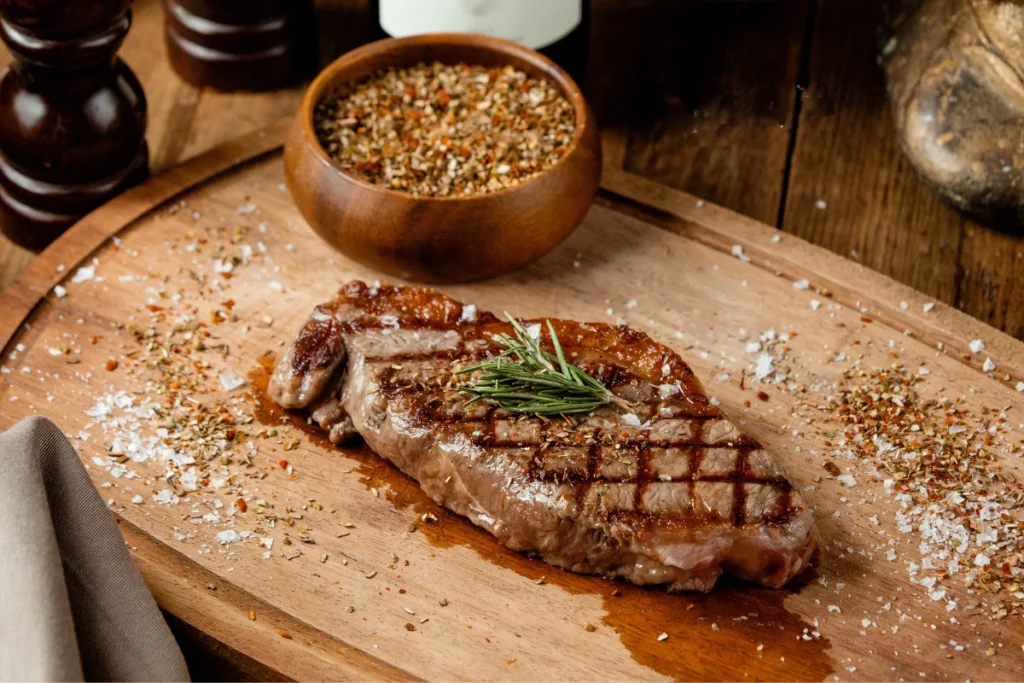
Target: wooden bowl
x,y
441,239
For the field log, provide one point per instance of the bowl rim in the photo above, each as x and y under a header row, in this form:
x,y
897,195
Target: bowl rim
x,y
499,46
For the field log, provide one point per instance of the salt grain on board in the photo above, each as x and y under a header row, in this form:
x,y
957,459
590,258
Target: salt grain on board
x,y
737,251
84,274
231,381
765,366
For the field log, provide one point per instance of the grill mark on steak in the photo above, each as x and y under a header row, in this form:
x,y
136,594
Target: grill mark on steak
x,y
426,411
591,493
739,490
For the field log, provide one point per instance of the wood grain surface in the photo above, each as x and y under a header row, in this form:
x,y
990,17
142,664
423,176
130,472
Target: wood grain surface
x,y
762,107
659,258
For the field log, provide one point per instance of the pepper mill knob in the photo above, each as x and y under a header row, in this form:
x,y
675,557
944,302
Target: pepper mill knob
x,y
72,115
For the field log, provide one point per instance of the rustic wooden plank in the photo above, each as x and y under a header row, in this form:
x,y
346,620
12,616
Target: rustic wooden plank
x,y
992,285
644,243
706,91
851,190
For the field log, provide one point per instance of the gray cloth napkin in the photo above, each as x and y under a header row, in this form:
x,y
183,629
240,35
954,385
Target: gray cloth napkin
x,y
72,604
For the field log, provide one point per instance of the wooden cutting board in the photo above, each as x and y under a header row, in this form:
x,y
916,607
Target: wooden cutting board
x,y
365,600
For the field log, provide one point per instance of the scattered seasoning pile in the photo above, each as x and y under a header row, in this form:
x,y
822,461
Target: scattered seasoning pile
x,y
935,460
441,130
186,436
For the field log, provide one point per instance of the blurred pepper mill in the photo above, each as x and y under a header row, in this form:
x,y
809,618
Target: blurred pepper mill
x,y
233,45
72,115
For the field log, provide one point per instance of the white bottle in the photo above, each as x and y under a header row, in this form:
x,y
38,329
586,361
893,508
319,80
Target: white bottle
x,y
537,24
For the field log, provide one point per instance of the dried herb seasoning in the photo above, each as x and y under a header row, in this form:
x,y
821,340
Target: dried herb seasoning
x,y
443,130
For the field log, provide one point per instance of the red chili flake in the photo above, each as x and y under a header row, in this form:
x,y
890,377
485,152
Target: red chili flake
x,y
283,464
153,308
762,396
252,616
831,468
241,505
865,319
229,304
284,634
111,364
401,591
747,403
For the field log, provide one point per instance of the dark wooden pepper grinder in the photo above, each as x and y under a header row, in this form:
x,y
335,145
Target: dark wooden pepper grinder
x,y
72,115
240,45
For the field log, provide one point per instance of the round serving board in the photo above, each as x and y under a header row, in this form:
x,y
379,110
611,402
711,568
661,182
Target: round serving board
x,y
334,566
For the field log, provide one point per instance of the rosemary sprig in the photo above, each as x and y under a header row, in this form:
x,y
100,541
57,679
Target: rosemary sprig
x,y
524,378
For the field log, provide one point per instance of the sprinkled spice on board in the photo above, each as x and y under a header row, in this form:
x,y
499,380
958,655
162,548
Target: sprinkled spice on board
x,y
936,460
443,130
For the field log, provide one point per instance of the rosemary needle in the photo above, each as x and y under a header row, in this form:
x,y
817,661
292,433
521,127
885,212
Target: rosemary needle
x,y
524,378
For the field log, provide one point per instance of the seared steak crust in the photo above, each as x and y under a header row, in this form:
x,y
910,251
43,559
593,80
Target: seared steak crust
x,y
672,493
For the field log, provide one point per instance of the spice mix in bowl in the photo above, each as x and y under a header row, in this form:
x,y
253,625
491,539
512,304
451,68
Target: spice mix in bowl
x,y
441,130
444,157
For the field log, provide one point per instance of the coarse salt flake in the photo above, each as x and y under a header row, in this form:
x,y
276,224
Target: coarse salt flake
x,y
468,313
230,380
60,292
977,346
802,284
84,274
765,366
166,497
228,536
737,251
667,390
988,365
631,419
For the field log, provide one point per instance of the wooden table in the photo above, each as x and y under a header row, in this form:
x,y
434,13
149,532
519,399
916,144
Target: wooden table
x,y
774,109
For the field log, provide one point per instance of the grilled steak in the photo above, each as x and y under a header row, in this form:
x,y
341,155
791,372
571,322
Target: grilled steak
x,y
672,493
